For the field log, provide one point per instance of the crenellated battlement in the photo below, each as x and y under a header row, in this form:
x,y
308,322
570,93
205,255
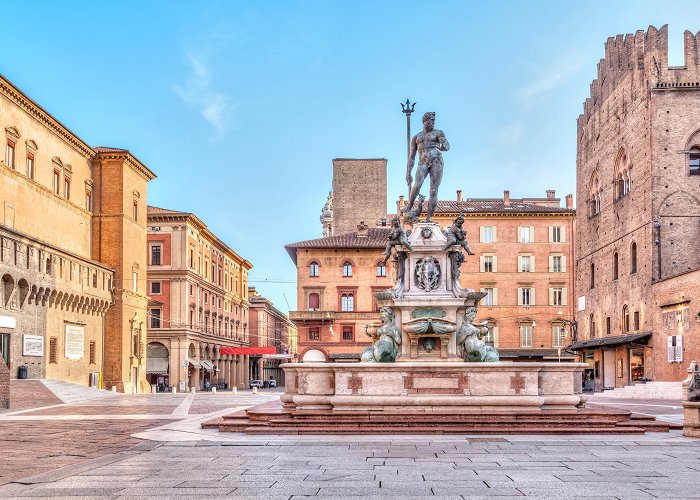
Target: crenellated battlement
x,y
643,54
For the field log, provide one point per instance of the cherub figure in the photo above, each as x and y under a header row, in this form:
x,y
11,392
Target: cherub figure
x,y
469,337
386,348
457,236
397,238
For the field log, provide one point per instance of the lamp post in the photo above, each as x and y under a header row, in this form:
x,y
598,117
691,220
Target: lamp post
x,y
573,324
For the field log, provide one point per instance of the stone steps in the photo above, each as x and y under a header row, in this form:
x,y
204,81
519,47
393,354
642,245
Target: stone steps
x,y
279,420
650,390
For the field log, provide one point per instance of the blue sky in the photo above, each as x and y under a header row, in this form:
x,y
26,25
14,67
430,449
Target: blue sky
x,y
239,107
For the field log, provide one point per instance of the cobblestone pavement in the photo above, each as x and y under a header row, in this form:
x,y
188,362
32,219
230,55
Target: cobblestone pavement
x,y
651,466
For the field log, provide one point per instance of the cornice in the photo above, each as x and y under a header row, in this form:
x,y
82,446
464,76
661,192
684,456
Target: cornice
x,y
129,160
43,117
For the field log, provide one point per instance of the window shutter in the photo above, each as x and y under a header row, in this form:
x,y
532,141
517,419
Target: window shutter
x,y
532,296
551,234
495,335
495,296
565,296
532,264
520,296
517,236
493,233
520,264
551,263
563,263
532,234
679,348
495,263
563,234
481,234
482,266
551,296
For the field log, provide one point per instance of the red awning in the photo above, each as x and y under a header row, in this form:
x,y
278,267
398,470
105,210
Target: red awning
x,y
248,350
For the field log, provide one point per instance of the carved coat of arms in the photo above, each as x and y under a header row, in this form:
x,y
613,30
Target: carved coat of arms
x,y
427,274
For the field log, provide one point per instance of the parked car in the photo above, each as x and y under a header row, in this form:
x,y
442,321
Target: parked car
x,y
272,383
256,383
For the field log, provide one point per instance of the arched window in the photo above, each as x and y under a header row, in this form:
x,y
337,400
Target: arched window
x,y
694,161
625,319
347,302
381,269
623,176
314,302
347,269
594,190
591,327
313,269
592,275
633,258
615,268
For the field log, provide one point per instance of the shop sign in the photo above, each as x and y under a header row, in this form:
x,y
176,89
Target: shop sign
x,y
75,341
32,345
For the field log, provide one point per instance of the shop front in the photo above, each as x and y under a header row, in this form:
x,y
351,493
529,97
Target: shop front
x,y
614,361
158,366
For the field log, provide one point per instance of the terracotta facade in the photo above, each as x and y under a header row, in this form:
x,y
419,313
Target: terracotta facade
x,y
198,290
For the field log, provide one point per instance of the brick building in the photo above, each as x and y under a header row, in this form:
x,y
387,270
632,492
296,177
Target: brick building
x,y
198,289
638,199
269,327
524,250
71,245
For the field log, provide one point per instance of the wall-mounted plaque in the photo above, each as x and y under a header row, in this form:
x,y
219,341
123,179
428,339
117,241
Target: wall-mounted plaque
x,y
32,345
75,341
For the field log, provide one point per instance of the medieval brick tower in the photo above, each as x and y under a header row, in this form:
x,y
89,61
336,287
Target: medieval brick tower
x,y
359,193
638,196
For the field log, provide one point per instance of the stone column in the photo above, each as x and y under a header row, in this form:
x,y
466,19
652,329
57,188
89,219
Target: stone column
x,y
261,369
246,370
241,376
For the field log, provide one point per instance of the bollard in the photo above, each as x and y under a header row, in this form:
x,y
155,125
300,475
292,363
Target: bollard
x,y
235,389
114,388
255,390
193,390
153,389
174,390
213,390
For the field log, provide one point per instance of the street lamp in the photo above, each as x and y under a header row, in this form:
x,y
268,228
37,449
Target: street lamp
x,y
573,324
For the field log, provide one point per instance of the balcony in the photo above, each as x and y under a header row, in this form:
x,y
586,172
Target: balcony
x,y
312,315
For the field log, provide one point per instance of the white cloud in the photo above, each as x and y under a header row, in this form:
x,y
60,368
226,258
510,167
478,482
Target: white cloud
x,y
198,92
509,134
554,76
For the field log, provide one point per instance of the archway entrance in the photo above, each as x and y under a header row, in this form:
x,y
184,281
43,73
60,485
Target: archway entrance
x,y
157,365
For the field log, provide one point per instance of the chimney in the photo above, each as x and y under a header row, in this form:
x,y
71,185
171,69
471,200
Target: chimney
x,y
570,201
551,194
459,195
402,202
506,198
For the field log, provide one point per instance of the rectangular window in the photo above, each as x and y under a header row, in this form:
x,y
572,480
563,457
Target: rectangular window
x,y
525,264
490,338
636,321
526,296
557,296
314,334
607,325
135,212
155,288
135,282
206,298
155,255
557,264
10,154
525,236
488,263
487,234
93,352
56,182
558,336
488,300
556,234
155,318
53,350
525,335
191,290
30,165
66,188
191,258
348,333
88,201
5,348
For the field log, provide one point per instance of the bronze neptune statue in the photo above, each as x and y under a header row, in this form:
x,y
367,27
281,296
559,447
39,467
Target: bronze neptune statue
x,y
429,143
